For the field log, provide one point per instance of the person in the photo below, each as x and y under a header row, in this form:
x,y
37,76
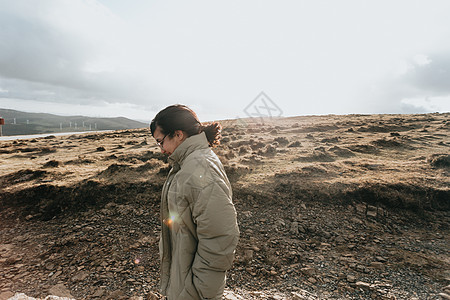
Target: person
x,y
199,231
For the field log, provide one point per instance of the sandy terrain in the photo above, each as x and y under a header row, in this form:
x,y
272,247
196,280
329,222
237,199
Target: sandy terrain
x,y
329,207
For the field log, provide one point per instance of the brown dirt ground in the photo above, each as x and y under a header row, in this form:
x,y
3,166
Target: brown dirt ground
x,y
329,207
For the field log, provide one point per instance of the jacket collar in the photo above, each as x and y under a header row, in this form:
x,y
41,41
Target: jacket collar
x,y
190,144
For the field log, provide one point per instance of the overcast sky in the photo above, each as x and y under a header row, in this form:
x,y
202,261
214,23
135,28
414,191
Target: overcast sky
x,y
133,58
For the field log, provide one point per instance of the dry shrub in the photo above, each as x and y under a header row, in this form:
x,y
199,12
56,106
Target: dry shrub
x,y
114,169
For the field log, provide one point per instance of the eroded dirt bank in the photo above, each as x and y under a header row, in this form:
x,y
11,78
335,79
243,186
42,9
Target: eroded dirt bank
x,y
330,207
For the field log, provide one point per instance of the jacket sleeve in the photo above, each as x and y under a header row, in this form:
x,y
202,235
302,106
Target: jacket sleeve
x,y
218,234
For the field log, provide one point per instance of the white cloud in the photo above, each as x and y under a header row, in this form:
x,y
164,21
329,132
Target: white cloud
x,y
429,104
421,60
310,57
72,47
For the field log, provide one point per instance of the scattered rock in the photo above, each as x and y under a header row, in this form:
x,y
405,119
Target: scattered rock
x,y
371,211
99,293
6,295
363,285
60,290
377,265
294,228
307,271
312,280
248,255
156,296
444,296
351,278
116,295
80,276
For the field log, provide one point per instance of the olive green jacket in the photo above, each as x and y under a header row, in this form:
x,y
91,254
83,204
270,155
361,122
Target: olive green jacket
x,y
199,226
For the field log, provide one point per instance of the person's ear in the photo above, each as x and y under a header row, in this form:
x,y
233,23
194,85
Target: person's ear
x,y
179,134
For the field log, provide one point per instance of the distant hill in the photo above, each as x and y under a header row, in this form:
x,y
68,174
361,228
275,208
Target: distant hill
x,y
21,123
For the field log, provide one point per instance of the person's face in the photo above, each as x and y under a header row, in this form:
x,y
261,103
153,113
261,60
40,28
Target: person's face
x,y
166,143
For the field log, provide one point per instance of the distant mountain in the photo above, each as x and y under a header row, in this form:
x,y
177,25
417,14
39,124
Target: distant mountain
x,y
21,123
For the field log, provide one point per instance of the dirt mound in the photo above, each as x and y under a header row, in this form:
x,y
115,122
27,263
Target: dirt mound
x,y
21,176
283,141
386,128
235,171
318,128
316,156
149,165
52,164
48,201
440,161
238,144
80,161
244,150
114,169
391,143
332,140
257,145
269,150
146,156
252,159
295,144
5,150
403,196
363,148
37,150
343,152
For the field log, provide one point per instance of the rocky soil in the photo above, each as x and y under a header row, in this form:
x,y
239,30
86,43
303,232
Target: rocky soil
x,y
329,207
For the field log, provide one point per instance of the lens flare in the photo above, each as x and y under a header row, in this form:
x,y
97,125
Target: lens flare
x,y
169,221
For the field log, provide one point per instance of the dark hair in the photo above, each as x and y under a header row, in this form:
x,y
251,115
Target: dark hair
x,y
181,117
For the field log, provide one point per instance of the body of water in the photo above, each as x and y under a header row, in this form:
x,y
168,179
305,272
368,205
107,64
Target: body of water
x,y
32,136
